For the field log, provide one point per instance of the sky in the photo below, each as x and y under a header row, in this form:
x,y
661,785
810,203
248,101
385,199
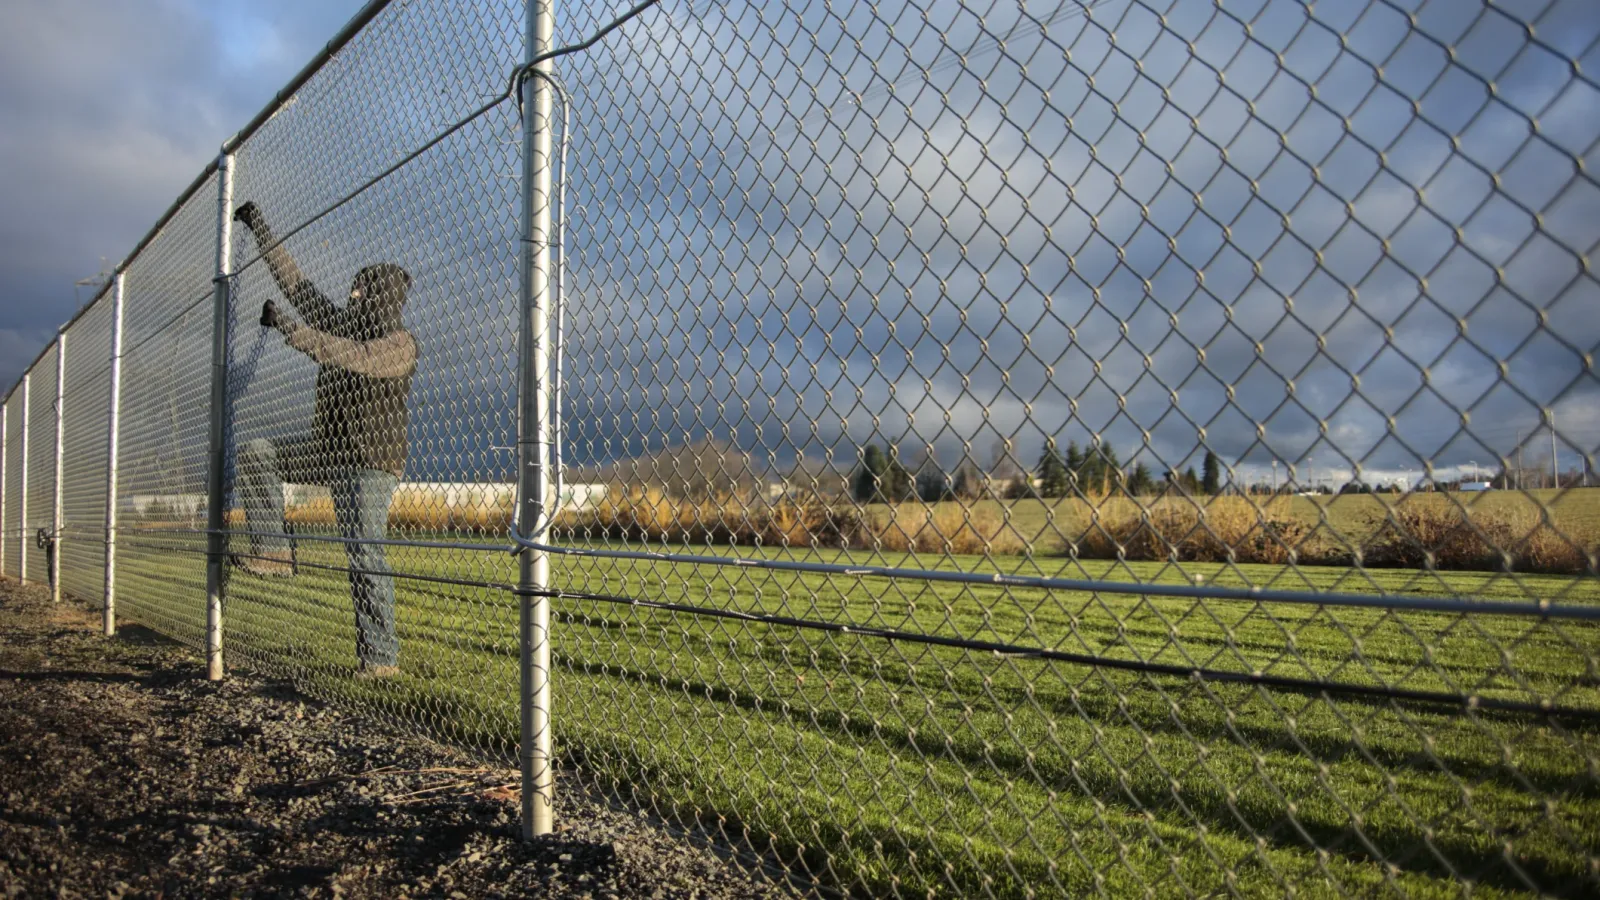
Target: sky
x,y
1136,223
108,109
1317,236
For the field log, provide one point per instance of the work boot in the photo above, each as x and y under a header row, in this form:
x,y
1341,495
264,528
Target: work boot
x,y
265,565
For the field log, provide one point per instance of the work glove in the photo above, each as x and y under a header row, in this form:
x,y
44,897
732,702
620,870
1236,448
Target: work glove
x,y
250,215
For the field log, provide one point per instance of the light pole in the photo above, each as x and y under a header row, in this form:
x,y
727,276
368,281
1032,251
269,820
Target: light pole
x,y
1519,459
1555,469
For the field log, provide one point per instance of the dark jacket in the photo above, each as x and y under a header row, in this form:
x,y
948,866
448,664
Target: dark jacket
x,y
367,358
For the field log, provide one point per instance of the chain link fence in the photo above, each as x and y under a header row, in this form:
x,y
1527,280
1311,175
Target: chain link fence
x,y
86,395
161,465
426,221
1129,447
15,416
40,480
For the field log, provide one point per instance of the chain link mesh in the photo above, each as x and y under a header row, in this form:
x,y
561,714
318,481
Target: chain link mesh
x,y
447,216
86,396
950,286
1007,449
41,483
161,477
15,410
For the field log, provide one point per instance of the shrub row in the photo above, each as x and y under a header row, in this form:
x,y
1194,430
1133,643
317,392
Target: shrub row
x,y
1419,533
647,514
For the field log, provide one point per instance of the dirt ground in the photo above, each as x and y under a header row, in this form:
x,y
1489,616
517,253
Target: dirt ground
x,y
123,773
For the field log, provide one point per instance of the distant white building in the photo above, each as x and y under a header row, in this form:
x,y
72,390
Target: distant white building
x,y
491,494
181,506
1473,487
582,496
459,494
438,494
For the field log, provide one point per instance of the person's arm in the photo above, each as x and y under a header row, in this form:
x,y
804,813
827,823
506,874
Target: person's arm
x,y
392,356
311,303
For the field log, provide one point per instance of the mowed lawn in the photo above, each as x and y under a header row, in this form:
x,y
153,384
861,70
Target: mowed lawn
x,y
892,766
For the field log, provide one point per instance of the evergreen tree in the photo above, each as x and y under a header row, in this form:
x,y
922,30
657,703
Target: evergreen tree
x,y
933,486
898,484
1053,477
869,475
1100,472
1211,479
1074,463
1141,482
1190,482
1112,475
1090,470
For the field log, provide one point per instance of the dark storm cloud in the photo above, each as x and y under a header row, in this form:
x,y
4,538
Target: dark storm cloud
x,y
107,111
845,228
803,228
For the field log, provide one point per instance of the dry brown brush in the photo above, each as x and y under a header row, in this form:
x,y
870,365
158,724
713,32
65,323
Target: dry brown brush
x,y
953,528
648,514
1182,529
1437,533
1420,532
631,513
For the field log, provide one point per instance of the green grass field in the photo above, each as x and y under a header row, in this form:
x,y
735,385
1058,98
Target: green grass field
x,y
903,767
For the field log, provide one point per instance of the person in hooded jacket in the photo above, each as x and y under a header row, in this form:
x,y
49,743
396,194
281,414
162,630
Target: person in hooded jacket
x,y
357,445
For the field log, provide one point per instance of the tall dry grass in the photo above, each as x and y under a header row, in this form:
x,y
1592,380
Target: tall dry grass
x,y
317,511
412,510
630,513
1422,531
1181,529
1434,533
943,528
648,514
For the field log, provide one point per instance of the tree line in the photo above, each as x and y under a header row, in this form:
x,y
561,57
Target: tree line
x,y
1096,470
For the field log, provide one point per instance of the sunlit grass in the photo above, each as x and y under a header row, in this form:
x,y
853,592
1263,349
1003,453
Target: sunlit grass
x,y
899,766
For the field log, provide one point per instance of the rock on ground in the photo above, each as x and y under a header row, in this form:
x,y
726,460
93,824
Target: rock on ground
x,y
124,773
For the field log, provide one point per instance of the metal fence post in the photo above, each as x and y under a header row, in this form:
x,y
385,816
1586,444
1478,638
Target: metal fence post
x,y
533,422
22,510
54,560
216,545
109,616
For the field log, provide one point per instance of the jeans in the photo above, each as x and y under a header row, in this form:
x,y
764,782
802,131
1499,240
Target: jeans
x,y
361,499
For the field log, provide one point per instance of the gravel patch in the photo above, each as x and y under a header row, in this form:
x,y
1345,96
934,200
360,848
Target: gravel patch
x,y
124,773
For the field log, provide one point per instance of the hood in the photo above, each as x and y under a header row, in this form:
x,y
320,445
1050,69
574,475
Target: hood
x,y
382,290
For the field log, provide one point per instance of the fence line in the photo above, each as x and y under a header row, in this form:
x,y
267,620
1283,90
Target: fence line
x,y
818,260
